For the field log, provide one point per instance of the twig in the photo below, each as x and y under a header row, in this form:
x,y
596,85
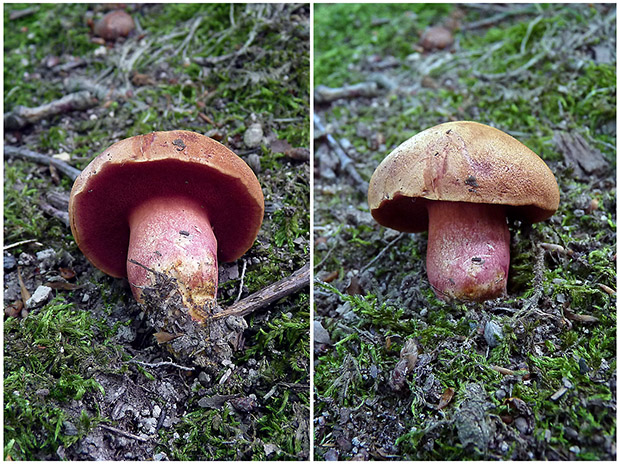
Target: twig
x,y
22,116
495,18
515,72
528,33
22,152
325,257
161,364
189,37
124,433
17,244
231,14
102,92
346,164
272,293
324,94
386,248
245,264
17,14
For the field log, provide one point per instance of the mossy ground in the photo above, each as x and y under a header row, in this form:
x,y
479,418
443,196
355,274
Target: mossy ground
x,y
70,366
533,73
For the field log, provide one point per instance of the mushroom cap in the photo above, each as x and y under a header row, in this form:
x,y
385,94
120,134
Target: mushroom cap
x,y
114,24
163,164
461,161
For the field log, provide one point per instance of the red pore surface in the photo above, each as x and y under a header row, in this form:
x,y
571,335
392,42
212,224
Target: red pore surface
x,y
468,252
173,236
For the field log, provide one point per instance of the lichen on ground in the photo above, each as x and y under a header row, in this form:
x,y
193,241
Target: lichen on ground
x,y
541,73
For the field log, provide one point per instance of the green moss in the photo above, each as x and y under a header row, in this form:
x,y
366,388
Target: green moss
x,y
47,363
346,34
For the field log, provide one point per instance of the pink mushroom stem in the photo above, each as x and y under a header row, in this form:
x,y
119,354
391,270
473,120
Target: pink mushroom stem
x,y
468,252
173,236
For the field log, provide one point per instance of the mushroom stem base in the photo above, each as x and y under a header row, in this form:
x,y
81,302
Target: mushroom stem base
x,y
172,239
468,252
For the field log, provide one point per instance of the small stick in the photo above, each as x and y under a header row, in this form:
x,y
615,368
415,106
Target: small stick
x,y
17,14
324,94
22,116
24,153
161,364
272,293
346,164
387,247
495,19
124,433
245,264
17,244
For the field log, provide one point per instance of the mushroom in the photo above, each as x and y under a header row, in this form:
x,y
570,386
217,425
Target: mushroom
x,y
114,24
171,203
461,180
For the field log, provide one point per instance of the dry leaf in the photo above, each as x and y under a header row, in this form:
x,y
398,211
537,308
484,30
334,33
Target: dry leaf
x,y
162,337
446,398
66,273
22,286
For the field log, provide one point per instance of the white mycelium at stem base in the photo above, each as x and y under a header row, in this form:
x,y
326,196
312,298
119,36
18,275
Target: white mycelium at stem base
x,y
468,252
173,236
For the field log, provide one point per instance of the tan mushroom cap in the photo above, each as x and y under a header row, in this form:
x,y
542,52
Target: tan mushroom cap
x,y
160,164
461,161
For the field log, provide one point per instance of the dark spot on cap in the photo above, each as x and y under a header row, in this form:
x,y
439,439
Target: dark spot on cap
x,y
179,144
471,181
184,233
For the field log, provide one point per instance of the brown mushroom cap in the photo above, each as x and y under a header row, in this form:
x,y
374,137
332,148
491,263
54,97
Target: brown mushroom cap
x,y
461,161
114,24
163,164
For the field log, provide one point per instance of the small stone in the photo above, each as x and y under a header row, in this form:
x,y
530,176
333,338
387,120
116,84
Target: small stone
x,y
149,425
331,455
156,411
500,394
9,262
493,334
85,298
25,259
253,136
40,296
321,336
254,162
571,433
521,425
70,429
160,456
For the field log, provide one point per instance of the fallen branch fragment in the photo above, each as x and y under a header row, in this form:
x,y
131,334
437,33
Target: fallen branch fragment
x,y
346,164
580,317
17,14
556,248
17,244
495,18
295,282
162,364
607,289
385,249
324,94
22,116
24,153
124,433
